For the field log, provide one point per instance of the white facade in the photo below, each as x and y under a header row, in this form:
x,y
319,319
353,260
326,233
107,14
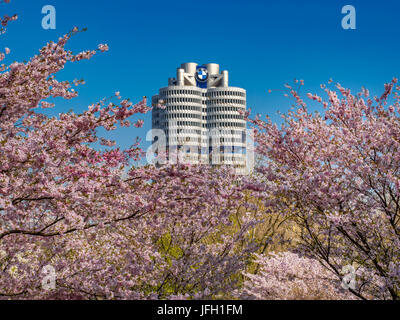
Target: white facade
x,y
201,117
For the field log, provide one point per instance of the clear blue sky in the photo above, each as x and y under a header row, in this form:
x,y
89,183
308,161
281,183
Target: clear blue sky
x,y
263,44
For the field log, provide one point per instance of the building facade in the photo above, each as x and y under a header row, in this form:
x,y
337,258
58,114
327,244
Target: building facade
x,y
202,116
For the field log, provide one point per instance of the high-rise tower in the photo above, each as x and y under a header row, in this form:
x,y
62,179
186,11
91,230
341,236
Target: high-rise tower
x,y
202,116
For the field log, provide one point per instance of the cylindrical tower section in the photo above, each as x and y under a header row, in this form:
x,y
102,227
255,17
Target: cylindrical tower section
x,y
179,76
183,120
155,114
189,67
212,68
225,119
225,78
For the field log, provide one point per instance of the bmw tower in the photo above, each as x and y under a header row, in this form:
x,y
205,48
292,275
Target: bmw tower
x,y
202,116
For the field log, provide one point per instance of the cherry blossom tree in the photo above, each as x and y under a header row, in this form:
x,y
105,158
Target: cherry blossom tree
x,y
80,222
336,174
288,276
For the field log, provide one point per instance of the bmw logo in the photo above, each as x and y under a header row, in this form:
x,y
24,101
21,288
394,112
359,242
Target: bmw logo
x,y
202,74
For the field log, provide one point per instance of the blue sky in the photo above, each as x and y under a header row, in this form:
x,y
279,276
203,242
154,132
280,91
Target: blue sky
x,y
264,44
